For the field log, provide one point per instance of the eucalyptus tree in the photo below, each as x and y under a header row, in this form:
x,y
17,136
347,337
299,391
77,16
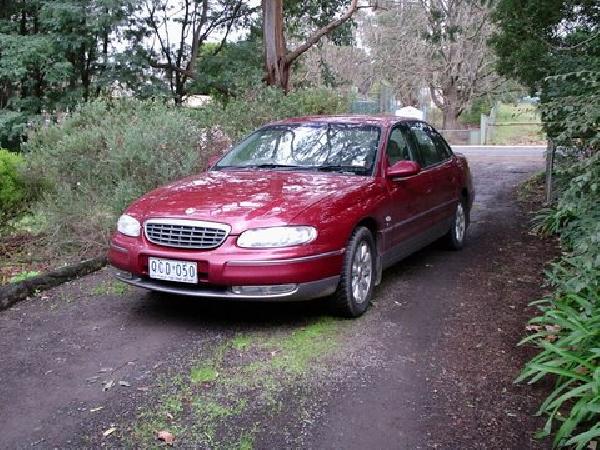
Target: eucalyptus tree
x,y
302,23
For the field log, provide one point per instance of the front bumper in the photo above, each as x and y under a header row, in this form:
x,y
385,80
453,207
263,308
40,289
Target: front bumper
x,y
229,265
302,291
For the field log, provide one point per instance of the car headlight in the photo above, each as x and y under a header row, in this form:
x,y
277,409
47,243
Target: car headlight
x,y
129,226
276,237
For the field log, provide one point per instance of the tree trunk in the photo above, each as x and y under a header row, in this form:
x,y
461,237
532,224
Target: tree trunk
x,y
450,108
450,118
276,66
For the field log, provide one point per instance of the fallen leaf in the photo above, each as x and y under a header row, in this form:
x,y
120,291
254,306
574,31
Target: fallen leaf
x,y
551,338
96,409
533,328
108,385
553,328
166,437
124,383
143,389
110,431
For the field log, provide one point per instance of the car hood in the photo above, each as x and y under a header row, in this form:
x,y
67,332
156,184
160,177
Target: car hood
x,y
244,199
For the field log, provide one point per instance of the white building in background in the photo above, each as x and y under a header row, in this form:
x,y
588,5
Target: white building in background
x,y
410,111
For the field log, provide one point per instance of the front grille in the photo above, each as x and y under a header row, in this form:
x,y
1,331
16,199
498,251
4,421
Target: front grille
x,y
186,233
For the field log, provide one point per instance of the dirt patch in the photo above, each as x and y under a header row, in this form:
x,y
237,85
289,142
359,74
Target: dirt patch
x,y
473,369
17,259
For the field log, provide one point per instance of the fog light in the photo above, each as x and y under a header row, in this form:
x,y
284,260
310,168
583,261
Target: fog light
x,y
276,289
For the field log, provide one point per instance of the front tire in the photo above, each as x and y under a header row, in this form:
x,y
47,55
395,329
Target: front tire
x,y
358,275
458,230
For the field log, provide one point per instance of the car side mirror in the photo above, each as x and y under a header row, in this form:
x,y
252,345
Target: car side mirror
x,y
212,161
403,169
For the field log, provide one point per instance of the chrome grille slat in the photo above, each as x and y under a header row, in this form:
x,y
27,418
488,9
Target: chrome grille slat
x,y
186,233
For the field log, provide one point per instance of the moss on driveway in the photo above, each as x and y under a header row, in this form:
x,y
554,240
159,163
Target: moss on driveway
x,y
232,394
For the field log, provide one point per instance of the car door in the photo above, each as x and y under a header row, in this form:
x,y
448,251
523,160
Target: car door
x,y
437,163
406,209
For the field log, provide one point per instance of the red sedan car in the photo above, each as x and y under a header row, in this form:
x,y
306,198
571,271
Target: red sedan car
x,y
300,209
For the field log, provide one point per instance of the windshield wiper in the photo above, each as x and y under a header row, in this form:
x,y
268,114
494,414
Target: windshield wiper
x,y
340,168
274,166
262,166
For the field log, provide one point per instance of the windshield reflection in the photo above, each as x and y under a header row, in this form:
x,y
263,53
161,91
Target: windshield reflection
x,y
338,147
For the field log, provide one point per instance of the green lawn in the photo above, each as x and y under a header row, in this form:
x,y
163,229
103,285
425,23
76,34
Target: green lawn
x,y
516,124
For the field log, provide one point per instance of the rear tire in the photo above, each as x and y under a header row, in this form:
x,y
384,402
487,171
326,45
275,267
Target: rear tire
x,y
458,230
358,275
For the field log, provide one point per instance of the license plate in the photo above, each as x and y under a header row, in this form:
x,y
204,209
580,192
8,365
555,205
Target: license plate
x,y
171,270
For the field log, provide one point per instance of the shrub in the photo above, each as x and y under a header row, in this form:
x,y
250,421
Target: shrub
x,y
243,115
103,156
568,328
107,153
16,190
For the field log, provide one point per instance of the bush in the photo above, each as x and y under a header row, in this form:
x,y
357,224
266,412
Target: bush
x,y
479,106
568,329
243,115
107,153
103,156
16,191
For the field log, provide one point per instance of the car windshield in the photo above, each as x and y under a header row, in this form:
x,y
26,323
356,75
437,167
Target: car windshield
x,y
339,147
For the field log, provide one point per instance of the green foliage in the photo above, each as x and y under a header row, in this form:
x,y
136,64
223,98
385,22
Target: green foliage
x,y
243,115
571,108
302,15
479,106
102,157
16,188
228,71
107,153
52,56
541,38
568,329
553,48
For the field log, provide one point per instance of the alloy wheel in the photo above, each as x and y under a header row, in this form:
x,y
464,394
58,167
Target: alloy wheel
x,y
460,226
362,272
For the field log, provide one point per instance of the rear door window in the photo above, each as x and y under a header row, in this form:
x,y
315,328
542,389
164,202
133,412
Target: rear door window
x,y
427,148
441,146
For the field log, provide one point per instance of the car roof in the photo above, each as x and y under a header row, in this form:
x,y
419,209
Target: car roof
x,y
383,120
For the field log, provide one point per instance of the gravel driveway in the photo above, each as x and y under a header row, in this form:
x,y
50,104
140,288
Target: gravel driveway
x,y
431,364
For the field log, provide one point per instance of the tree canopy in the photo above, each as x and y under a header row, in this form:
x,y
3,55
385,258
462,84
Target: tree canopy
x,y
52,54
553,48
540,38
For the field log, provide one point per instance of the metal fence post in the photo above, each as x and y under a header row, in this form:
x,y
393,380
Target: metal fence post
x,y
550,150
483,121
